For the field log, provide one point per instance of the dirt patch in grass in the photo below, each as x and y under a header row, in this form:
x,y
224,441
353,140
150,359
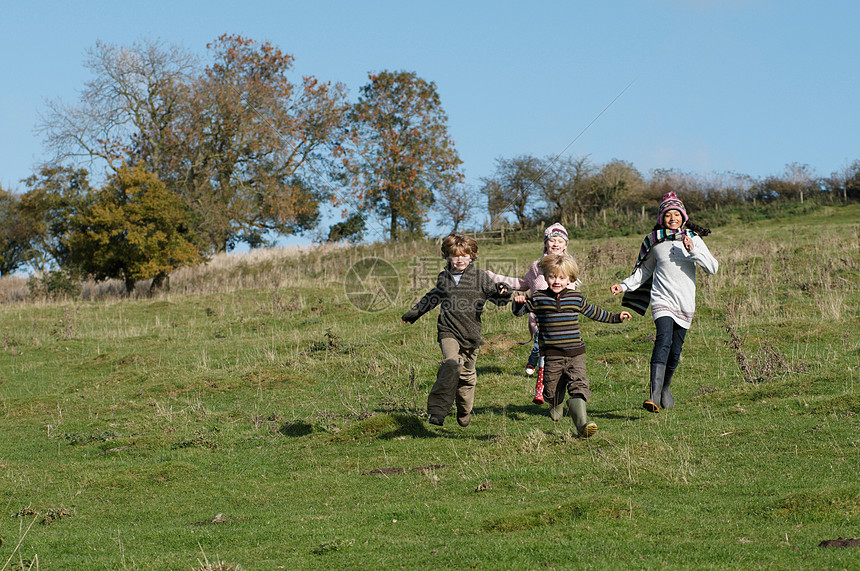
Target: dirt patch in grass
x,y
47,517
387,471
217,519
500,344
840,543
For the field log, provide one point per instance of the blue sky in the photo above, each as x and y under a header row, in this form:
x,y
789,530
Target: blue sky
x,y
743,86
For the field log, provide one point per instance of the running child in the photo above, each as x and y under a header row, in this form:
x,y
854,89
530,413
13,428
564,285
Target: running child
x,y
557,310
555,241
461,292
664,275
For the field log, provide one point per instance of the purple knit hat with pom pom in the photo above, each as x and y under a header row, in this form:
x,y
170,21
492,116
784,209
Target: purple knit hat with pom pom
x,y
671,202
556,230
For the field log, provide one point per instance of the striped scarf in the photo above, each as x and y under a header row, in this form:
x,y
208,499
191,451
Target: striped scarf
x,y
638,299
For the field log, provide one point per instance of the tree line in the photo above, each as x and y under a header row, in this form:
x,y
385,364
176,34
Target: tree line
x,y
526,190
167,159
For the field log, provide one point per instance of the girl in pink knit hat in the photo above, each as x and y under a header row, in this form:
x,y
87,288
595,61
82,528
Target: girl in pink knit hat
x,y
555,241
664,276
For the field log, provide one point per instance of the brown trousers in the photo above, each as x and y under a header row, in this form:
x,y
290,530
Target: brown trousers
x,y
455,380
564,374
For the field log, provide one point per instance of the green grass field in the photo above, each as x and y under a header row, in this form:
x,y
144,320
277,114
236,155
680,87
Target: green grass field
x,y
282,428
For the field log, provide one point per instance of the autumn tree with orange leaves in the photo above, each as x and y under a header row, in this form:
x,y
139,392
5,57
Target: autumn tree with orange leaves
x,y
399,154
240,142
257,146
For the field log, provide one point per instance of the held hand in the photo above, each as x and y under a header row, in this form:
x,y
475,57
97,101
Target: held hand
x,y
520,298
688,243
616,289
625,316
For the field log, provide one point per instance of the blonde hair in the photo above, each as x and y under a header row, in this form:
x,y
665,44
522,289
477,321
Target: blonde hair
x,y
559,265
458,245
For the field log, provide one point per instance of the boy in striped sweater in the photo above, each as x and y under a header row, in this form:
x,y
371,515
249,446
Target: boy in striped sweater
x,y
557,310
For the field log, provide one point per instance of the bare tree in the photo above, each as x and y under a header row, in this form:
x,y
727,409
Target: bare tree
x,y
845,182
565,185
722,189
797,181
456,204
238,141
514,186
127,111
497,204
802,177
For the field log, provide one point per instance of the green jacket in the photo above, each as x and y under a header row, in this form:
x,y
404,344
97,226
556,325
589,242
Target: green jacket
x,y
460,304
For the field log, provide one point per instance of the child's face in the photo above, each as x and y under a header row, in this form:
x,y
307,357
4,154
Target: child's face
x,y
556,245
557,282
460,262
672,219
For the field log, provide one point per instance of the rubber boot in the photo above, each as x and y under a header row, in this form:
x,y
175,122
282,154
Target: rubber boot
x,y
576,407
658,371
666,400
539,388
556,411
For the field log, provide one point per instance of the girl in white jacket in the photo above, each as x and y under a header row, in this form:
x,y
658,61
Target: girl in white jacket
x,y
665,276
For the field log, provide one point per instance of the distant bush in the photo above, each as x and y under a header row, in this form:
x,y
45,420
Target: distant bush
x,y
53,286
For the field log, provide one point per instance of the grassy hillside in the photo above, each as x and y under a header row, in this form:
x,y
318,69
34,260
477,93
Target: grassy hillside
x,y
256,419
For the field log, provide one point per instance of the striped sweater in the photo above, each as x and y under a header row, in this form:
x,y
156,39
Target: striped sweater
x,y
558,319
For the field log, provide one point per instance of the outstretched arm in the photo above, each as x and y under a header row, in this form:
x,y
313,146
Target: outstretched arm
x,y
430,300
701,254
521,305
639,276
597,314
498,293
517,284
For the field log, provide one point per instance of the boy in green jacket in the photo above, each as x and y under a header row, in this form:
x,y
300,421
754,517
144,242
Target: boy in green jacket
x,y
461,292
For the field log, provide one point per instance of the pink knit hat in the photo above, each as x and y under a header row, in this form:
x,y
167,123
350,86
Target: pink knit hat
x,y
671,202
556,230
